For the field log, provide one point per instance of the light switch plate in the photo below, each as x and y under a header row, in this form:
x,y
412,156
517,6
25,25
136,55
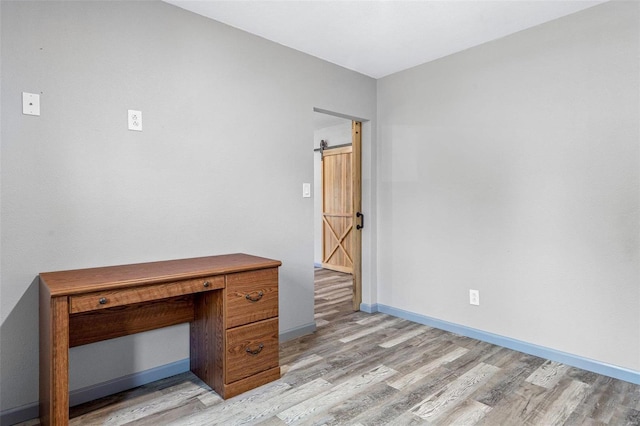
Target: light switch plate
x,y
30,103
135,120
306,190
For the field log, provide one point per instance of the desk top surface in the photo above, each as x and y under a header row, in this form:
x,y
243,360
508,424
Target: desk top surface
x,y
63,283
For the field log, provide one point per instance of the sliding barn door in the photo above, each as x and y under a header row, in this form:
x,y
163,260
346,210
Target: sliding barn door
x,y
337,209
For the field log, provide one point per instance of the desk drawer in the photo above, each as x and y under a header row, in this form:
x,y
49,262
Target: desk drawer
x,y
251,296
251,349
111,298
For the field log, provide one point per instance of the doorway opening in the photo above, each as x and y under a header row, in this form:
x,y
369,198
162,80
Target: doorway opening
x,y
338,219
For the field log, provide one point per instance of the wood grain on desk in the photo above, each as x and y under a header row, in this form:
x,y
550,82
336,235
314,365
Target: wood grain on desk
x,y
251,296
110,298
231,302
62,283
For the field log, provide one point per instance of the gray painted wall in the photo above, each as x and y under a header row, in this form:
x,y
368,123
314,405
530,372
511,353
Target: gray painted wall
x,y
513,168
219,167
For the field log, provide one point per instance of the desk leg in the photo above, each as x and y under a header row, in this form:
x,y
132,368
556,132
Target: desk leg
x,y
54,359
207,331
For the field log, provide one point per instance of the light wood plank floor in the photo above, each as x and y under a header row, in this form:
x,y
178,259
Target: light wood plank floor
x,y
363,369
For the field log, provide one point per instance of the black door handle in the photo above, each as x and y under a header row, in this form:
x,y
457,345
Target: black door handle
x,y
360,215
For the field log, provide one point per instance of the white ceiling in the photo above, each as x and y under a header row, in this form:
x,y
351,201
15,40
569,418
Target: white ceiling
x,y
378,38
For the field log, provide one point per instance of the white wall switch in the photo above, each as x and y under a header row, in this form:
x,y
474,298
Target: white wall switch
x,y
135,120
306,190
30,103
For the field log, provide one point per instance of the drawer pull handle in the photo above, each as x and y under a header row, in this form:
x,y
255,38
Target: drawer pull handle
x,y
255,351
206,283
103,301
254,299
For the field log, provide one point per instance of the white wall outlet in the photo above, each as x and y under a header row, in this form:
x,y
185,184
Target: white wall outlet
x,y
474,297
306,190
30,103
135,120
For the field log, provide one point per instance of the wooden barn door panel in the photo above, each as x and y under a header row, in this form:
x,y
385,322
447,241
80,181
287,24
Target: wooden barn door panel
x,y
337,210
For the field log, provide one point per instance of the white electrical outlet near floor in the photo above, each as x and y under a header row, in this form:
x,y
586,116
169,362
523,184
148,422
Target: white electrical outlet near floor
x,y
134,120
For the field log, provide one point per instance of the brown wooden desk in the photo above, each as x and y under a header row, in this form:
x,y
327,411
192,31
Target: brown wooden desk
x,y
231,302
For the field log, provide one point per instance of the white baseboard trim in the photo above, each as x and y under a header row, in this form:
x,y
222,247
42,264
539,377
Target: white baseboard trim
x,y
599,367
